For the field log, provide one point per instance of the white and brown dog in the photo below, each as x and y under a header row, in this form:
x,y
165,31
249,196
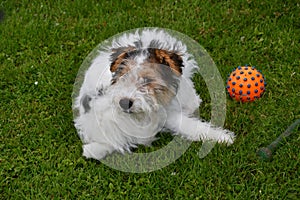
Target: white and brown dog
x,y
136,87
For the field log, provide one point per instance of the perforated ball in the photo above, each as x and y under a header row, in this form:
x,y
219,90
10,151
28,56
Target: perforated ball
x,y
246,84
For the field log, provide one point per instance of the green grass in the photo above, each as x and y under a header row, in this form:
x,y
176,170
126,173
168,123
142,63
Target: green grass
x,y
44,42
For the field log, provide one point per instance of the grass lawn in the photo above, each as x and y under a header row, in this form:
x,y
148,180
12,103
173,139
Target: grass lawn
x,y
42,45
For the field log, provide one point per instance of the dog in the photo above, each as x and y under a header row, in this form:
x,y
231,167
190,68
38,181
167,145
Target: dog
x,y
137,86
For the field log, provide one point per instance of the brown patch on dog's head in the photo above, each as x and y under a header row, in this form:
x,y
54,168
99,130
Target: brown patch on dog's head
x,y
171,59
123,60
120,62
159,81
118,56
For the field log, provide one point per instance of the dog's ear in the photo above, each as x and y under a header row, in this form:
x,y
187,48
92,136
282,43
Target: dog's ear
x,y
171,59
118,56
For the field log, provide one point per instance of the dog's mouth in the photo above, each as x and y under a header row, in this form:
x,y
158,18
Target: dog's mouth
x,y
132,111
128,111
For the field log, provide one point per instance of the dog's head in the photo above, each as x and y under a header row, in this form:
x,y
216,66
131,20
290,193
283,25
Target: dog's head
x,y
144,79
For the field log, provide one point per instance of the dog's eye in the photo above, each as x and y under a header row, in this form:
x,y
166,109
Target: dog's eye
x,y
159,89
147,80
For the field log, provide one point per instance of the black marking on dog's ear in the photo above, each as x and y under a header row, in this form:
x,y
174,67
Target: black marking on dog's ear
x,y
118,56
171,59
155,44
85,102
138,44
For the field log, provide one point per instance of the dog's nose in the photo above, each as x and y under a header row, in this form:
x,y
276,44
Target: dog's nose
x,y
126,103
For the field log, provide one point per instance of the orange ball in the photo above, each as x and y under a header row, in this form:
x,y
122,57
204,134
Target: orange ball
x,y
246,84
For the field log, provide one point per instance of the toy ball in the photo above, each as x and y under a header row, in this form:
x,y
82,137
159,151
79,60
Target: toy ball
x,y
246,84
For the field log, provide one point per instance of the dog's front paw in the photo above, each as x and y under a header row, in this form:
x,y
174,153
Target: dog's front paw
x,y
95,150
227,137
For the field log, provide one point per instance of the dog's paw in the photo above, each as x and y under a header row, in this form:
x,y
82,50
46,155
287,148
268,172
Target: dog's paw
x,y
227,137
94,150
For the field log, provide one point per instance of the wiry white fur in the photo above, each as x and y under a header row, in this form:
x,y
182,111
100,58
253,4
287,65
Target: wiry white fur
x,y
106,128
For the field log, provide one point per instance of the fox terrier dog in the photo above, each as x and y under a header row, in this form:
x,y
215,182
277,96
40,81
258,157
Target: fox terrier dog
x,y
136,87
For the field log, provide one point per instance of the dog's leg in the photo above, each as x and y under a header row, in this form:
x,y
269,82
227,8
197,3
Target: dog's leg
x,y
195,130
96,150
